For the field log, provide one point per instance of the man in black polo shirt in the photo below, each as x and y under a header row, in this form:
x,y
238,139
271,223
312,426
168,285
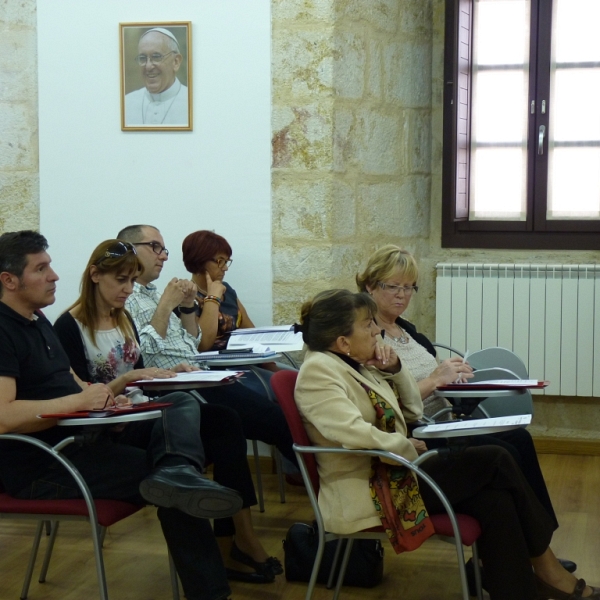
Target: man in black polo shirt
x,y
165,454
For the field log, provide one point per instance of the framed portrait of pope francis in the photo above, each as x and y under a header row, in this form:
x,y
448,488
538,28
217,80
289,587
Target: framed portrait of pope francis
x,y
156,76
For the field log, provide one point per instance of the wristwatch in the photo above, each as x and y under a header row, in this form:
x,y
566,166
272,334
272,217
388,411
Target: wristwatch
x,y
188,310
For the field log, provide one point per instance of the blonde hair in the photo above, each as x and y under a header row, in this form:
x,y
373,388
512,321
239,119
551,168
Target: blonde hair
x,y
382,265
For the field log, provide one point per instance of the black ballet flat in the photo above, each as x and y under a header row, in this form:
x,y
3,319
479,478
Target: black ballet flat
x,y
270,567
233,575
275,565
547,592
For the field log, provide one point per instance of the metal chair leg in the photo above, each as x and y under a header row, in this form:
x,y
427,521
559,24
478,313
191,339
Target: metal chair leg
x,y
49,549
174,579
103,531
32,557
99,559
280,474
477,570
343,568
334,563
259,487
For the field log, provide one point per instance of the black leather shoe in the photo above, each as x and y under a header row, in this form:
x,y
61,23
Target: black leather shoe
x,y
547,592
568,565
183,487
253,577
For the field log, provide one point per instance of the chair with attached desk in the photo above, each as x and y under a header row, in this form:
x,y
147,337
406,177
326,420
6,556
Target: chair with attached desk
x,y
491,363
460,529
100,514
485,362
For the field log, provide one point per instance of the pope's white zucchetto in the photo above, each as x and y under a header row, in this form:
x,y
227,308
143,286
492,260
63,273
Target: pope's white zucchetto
x,y
164,32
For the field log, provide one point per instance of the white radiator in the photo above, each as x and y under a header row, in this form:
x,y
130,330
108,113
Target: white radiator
x,y
549,315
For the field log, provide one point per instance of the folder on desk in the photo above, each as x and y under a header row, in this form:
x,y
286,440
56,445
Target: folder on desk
x,y
495,384
113,411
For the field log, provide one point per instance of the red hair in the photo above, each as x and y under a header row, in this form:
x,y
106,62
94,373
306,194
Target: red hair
x,y
200,247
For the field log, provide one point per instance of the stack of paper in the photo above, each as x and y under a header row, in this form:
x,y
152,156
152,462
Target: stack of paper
x,y
256,351
512,420
191,377
280,338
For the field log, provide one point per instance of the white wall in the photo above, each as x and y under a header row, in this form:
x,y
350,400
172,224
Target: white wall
x,y
96,179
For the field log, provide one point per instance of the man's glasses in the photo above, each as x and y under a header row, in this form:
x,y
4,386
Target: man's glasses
x,y
222,262
117,250
396,289
155,58
156,247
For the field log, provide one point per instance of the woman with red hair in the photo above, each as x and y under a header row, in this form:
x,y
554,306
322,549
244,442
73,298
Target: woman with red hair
x,y
207,256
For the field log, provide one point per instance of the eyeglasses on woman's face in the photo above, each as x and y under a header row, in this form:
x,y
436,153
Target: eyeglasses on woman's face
x,y
222,262
156,247
394,290
117,250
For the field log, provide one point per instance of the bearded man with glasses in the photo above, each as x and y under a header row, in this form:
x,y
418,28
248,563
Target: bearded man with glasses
x,y
164,99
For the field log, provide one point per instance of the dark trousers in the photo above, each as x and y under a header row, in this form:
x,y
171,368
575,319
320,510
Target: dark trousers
x,y
261,419
519,443
113,467
225,446
486,483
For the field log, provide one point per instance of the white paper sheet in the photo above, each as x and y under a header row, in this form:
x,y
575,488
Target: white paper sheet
x,y
520,420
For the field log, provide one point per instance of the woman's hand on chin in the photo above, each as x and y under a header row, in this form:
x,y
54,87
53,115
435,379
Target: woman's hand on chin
x,y
384,358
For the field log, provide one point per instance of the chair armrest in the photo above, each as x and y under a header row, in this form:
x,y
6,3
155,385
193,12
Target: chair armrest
x,y
65,462
290,359
446,347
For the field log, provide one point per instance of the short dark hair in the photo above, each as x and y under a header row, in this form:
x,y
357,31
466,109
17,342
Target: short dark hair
x,y
332,314
14,248
133,233
200,247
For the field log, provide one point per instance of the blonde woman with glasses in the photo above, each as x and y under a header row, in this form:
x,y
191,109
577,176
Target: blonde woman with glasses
x,y
390,278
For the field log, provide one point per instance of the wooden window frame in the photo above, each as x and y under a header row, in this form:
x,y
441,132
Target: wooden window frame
x,y
536,232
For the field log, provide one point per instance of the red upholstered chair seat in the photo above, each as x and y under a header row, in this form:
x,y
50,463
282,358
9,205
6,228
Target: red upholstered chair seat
x,y
109,511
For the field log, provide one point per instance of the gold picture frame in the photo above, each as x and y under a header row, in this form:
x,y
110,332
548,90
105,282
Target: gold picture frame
x,y
156,94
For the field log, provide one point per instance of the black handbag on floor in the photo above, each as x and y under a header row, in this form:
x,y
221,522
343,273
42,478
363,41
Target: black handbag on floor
x,y
365,566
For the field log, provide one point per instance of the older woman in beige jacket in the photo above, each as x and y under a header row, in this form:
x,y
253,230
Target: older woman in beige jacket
x,y
329,392
345,360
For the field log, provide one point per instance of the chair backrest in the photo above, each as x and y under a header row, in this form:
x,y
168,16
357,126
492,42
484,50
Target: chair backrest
x,y
502,407
498,357
283,384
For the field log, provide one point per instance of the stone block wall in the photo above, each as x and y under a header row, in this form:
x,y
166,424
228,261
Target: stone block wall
x,y
19,170
351,139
